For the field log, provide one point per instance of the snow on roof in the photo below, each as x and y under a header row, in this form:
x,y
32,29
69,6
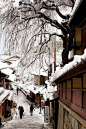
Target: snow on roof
x,y
36,89
3,95
1,90
16,3
25,88
7,71
11,77
15,58
14,63
3,57
76,6
3,65
45,94
77,60
19,85
50,87
11,96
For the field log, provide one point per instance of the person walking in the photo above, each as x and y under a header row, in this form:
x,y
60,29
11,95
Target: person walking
x,y
31,109
17,90
21,110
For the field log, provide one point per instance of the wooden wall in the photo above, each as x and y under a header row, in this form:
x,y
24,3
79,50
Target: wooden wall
x,y
72,92
78,34
39,80
2,109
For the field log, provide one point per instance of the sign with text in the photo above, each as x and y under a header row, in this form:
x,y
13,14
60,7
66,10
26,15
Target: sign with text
x,y
46,113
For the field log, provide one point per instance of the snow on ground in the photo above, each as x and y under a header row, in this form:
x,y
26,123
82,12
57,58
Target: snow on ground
x,y
27,122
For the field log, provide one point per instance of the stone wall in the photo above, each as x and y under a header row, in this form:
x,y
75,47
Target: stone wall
x,y
68,119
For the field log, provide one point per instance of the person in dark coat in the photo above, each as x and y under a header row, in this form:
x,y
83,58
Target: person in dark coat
x,y
17,90
31,109
21,110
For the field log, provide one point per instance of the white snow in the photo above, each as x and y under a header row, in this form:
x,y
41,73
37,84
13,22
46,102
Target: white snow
x,y
76,5
14,64
11,96
16,3
3,65
12,77
45,94
27,121
50,96
1,90
3,57
7,71
77,60
3,94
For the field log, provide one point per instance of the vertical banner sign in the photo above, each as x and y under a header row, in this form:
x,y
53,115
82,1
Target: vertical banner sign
x,y
46,113
55,54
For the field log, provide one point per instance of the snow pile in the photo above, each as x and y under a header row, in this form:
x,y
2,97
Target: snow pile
x,y
45,94
1,90
35,88
11,96
78,59
16,3
3,65
50,87
3,57
15,64
49,91
12,77
3,94
7,71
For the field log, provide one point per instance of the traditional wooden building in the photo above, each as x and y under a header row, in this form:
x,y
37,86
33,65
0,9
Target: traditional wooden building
x,y
5,73
3,96
35,90
71,79
39,80
6,96
2,79
78,29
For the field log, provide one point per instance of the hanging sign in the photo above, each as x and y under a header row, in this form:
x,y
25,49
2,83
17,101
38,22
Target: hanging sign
x,y
46,113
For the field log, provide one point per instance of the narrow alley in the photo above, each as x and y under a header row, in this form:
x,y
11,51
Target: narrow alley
x,y
36,121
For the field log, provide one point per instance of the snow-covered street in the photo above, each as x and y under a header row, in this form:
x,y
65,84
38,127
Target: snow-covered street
x,y
27,122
